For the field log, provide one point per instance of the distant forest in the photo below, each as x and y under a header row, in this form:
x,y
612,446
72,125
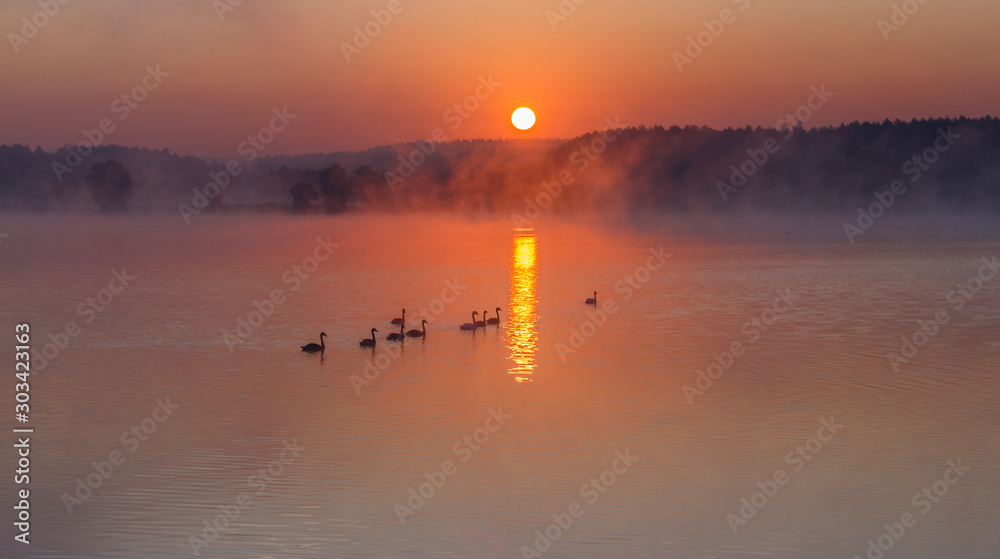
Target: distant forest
x,y
942,165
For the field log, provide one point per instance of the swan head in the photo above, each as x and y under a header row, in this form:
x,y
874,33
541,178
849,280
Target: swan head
x,y
422,322
321,334
499,309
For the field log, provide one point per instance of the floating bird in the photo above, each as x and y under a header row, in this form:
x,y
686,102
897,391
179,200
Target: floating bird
x,y
396,337
419,333
398,321
369,343
483,321
470,325
592,301
495,320
313,348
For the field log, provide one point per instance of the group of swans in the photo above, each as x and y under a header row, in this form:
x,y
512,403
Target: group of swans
x,y
481,323
422,333
401,322
398,336
370,342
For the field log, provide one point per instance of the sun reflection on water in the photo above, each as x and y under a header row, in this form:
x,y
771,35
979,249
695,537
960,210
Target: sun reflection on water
x,y
521,333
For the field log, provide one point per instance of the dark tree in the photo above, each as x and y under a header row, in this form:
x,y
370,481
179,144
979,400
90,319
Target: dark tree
x,y
110,185
303,195
335,188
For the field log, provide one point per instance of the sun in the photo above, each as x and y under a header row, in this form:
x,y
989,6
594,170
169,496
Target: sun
x,y
523,118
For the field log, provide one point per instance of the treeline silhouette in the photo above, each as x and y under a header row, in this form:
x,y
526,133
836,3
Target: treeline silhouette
x,y
945,165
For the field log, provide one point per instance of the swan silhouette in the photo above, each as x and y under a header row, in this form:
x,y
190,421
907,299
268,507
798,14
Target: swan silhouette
x,y
396,336
495,320
419,333
470,325
398,321
483,321
369,342
313,348
592,301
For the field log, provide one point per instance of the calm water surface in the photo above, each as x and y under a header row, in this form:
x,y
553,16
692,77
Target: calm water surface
x,y
363,442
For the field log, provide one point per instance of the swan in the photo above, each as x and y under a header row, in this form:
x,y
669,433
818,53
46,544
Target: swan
x,y
470,325
419,333
495,320
369,343
398,321
313,348
483,321
396,337
592,301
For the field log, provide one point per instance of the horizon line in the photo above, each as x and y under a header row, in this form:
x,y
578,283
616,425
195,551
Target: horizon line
x,y
842,124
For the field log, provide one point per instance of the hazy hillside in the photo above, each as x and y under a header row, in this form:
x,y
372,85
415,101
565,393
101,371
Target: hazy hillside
x,y
941,165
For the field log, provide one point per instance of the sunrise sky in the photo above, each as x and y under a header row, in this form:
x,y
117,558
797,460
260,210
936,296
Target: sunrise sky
x,y
607,59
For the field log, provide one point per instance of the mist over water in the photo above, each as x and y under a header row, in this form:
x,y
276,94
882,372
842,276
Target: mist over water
x,y
625,388
916,168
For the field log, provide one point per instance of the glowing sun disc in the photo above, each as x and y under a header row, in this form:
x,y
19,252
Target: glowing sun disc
x,y
523,118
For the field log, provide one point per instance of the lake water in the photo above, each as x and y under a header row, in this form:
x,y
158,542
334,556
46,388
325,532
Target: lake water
x,y
499,429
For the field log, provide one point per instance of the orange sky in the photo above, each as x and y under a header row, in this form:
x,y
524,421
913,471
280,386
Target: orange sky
x,y
607,59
